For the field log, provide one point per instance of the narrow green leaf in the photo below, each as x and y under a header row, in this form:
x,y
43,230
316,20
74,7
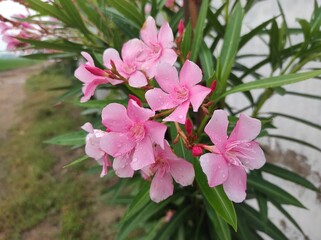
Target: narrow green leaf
x,y
100,104
206,58
296,140
48,56
272,191
230,46
58,45
129,10
311,124
216,197
69,139
187,38
272,82
221,228
318,97
200,26
77,161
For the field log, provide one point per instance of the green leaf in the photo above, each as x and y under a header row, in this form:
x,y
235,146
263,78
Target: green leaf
x,y
216,197
100,104
221,228
272,191
77,161
187,38
69,139
58,45
272,82
129,10
138,203
318,97
200,26
311,124
178,219
301,142
48,56
288,175
230,46
206,58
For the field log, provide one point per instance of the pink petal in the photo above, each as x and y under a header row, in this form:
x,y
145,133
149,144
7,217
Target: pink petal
x,y
215,168
89,88
106,163
156,131
216,129
235,185
114,116
137,80
88,127
182,171
197,95
92,150
132,49
157,99
169,56
190,74
166,76
148,33
83,74
246,128
116,144
88,58
121,166
165,36
138,114
143,154
111,54
179,114
251,156
161,187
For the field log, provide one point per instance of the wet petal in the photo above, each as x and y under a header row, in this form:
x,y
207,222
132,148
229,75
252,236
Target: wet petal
x,y
114,116
111,54
88,58
169,56
137,80
138,114
148,33
83,74
166,76
179,114
165,36
215,168
182,171
246,128
121,166
251,155
132,49
116,144
157,99
161,187
190,74
216,129
197,95
235,185
89,88
156,131
88,127
143,155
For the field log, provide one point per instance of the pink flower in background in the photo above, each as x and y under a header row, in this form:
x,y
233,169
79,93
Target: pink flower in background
x,y
158,46
93,149
166,167
91,76
129,67
3,27
232,156
177,93
131,131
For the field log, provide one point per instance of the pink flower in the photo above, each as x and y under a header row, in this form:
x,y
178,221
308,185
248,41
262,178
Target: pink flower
x,y
129,67
158,46
232,156
3,27
91,76
131,133
167,167
177,93
93,149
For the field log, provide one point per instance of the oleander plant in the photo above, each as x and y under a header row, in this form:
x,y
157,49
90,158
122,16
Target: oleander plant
x,y
186,162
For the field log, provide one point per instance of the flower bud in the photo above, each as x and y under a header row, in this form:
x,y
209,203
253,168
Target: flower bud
x,y
95,70
136,99
181,27
213,85
197,151
189,127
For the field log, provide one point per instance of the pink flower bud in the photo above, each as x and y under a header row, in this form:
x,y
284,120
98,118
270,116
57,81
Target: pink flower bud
x,y
197,151
189,127
95,70
213,85
181,27
136,99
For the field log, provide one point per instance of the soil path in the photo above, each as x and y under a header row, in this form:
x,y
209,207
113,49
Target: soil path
x,y
12,94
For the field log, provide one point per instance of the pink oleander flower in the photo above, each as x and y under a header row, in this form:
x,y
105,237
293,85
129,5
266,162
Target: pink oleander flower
x,y
132,135
177,93
93,149
232,156
130,66
166,167
91,76
158,46
3,27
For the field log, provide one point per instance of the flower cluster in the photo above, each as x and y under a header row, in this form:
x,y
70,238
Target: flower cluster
x,y
135,135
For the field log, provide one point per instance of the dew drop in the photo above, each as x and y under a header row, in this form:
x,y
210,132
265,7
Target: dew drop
x,y
180,116
135,159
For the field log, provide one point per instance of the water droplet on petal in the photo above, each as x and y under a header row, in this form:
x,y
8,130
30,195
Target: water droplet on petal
x,y
135,159
180,116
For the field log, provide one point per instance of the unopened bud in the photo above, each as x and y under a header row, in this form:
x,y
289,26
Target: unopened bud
x,y
213,85
181,27
197,151
95,70
136,99
189,127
